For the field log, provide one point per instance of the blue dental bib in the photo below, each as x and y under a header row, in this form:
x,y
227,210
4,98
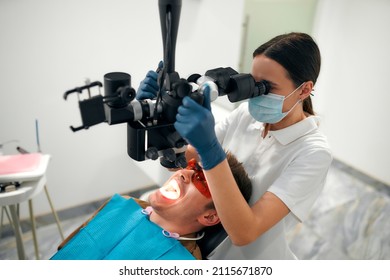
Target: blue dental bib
x,y
120,231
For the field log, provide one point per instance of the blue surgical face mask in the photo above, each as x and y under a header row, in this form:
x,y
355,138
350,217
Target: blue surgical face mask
x,y
269,108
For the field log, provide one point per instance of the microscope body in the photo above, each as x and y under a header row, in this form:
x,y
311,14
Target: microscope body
x,y
150,122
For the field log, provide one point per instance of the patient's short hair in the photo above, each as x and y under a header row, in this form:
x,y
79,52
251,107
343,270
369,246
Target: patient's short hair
x,y
240,176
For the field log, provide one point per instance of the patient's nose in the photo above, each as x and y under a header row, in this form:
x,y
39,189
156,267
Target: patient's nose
x,y
185,175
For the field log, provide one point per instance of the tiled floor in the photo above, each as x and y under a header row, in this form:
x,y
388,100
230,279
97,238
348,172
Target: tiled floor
x,y
349,221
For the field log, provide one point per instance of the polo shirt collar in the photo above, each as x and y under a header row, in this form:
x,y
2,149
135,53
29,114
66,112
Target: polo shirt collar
x,y
295,131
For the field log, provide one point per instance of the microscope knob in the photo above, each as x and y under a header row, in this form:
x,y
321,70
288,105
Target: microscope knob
x,y
181,161
151,153
169,154
197,97
211,87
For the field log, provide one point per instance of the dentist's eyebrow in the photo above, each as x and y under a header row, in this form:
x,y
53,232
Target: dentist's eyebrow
x,y
272,84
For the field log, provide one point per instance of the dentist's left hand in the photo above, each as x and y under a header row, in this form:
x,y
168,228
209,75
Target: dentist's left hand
x,y
148,87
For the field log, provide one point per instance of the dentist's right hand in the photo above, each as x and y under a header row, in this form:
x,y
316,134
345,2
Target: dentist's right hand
x,y
148,87
195,123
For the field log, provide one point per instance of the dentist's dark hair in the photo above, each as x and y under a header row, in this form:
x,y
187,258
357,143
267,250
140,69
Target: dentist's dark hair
x,y
299,54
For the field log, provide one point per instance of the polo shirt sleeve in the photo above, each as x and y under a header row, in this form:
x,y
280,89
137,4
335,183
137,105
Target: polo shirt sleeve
x,y
302,181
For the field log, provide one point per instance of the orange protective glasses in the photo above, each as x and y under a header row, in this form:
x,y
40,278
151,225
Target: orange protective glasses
x,y
198,178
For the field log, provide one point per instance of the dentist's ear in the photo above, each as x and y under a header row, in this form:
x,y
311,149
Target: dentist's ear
x,y
307,88
209,218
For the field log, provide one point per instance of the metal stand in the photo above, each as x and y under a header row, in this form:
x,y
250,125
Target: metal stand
x,y
15,224
32,183
18,232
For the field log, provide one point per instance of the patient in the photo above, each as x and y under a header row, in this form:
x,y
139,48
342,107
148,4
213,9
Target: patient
x,y
182,207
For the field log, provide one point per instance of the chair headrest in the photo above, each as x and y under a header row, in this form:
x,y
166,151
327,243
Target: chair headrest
x,y
214,235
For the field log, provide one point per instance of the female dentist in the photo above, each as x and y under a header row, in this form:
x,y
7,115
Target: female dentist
x,y
277,138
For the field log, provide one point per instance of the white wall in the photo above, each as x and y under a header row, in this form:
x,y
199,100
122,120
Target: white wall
x,y
50,46
352,93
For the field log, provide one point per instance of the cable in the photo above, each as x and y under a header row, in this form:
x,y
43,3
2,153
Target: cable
x,y
166,65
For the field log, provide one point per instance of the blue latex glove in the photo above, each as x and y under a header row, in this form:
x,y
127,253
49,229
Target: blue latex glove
x,y
195,123
148,88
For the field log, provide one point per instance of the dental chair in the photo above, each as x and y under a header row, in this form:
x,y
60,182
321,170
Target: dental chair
x,y
213,236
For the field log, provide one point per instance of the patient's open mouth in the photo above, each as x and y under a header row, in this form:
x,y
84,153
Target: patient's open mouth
x,y
171,190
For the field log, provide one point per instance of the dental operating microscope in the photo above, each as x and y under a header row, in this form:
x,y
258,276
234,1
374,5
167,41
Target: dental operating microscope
x,y
150,122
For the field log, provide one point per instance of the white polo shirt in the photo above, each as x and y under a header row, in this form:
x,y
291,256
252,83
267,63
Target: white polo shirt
x,y
292,163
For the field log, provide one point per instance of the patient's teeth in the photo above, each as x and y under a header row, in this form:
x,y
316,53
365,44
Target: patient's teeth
x,y
171,190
